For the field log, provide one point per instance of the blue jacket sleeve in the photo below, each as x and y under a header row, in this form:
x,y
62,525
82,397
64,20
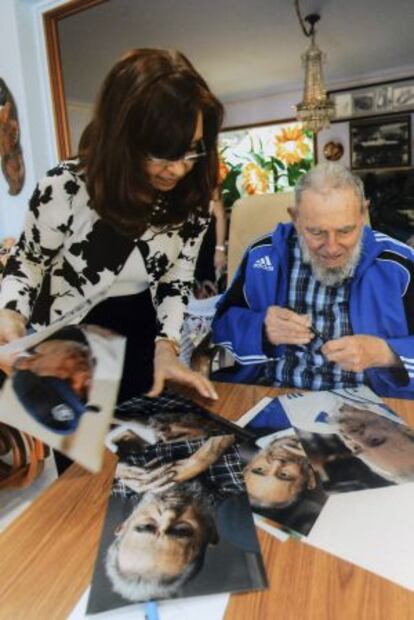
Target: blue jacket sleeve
x,y
397,382
236,326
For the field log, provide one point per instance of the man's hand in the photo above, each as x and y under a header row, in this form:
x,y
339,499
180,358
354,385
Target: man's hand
x,y
12,327
359,352
156,477
140,479
167,367
283,326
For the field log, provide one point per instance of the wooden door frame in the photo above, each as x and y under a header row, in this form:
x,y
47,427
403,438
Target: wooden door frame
x,y
51,21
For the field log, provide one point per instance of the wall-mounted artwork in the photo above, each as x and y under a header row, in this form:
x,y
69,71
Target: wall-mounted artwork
x,y
331,141
263,159
374,99
381,143
12,164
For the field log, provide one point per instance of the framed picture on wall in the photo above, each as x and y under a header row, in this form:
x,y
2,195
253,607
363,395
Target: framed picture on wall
x,y
382,98
262,159
383,142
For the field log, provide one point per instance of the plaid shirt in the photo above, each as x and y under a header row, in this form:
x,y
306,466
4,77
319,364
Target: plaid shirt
x,y
164,403
223,477
328,307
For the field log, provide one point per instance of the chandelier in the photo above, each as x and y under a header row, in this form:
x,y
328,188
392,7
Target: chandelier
x,y
316,110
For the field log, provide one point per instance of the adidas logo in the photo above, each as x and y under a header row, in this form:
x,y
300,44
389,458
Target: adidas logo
x,y
263,263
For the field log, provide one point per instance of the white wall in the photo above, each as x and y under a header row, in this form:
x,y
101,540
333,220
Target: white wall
x,y
23,67
270,108
12,207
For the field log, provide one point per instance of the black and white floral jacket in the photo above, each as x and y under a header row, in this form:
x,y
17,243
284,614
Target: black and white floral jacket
x,y
67,254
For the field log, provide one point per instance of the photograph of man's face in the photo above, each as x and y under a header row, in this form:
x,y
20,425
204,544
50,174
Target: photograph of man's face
x,y
173,523
162,544
384,445
162,537
64,359
277,474
62,388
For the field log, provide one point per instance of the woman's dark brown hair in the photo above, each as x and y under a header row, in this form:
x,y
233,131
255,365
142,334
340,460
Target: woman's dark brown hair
x,y
149,104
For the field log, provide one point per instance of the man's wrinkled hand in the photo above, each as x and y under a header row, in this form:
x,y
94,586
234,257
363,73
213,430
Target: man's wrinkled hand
x,y
140,479
359,352
284,326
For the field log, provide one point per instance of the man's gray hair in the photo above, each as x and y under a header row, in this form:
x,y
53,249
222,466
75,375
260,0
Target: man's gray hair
x,y
328,176
135,587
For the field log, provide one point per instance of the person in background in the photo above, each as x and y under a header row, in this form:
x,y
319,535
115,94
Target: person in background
x,y
212,259
325,302
219,213
123,222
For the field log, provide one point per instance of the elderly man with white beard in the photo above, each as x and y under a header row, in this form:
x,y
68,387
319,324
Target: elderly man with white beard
x,y
324,302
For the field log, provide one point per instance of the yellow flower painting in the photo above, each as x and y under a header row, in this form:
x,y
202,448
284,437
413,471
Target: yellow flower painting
x,y
263,159
254,179
291,145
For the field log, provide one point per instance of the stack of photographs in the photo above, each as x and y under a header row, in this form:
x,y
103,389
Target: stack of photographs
x,y
179,523
349,440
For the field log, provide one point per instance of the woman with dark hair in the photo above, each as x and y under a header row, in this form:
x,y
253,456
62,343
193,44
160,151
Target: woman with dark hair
x,y
119,227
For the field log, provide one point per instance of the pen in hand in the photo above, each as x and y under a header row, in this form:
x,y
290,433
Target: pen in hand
x,y
313,329
317,333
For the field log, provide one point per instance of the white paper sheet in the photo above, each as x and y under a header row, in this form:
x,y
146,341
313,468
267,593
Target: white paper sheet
x,y
373,529
210,607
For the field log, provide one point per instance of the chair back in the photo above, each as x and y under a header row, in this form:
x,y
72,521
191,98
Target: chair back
x,y
252,217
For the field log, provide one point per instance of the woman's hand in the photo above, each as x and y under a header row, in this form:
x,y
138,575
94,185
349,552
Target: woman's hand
x,y
167,367
12,327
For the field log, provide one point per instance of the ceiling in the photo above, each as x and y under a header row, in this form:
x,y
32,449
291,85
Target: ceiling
x,y
244,48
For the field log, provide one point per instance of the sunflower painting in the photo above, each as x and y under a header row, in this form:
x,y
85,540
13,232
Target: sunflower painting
x,y
263,159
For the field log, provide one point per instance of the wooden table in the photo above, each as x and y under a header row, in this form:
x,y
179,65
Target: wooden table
x,y
47,555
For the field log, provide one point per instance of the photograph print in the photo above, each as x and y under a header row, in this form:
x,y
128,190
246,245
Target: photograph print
x,y
352,439
291,496
380,142
281,483
171,417
178,524
62,390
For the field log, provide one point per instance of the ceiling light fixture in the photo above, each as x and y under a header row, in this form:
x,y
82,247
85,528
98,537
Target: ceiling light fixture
x,y
316,110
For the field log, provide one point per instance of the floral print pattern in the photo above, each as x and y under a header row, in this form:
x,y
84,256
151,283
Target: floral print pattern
x,y
62,257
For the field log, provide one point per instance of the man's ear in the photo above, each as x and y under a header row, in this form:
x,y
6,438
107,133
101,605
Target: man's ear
x,y
311,484
293,213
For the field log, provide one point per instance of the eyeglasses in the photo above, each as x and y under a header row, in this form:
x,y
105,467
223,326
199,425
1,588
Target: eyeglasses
x,y
197,152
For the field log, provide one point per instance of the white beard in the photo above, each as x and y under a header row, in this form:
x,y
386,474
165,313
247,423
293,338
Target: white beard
x,y
331,276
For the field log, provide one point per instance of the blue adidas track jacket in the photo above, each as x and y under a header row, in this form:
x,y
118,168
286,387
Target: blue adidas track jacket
x,y
381,304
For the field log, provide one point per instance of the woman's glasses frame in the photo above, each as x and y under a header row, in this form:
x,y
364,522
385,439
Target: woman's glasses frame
x,y
197,152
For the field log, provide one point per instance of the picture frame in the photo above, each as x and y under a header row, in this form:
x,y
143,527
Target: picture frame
x,y
380,142
391,97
